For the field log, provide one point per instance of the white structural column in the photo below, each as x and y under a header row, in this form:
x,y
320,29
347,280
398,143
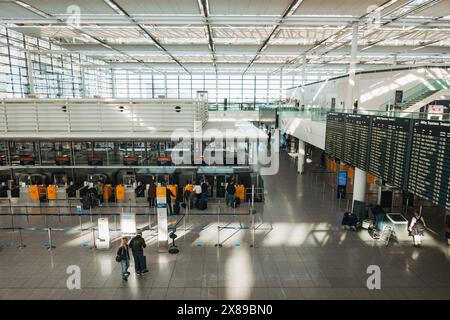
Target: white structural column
x,y
301,157
30,72
302,88
352,68
359,186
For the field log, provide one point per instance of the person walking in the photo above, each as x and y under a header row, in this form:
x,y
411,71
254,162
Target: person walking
x,y
417,229
123,256
231,190
151,196
137,245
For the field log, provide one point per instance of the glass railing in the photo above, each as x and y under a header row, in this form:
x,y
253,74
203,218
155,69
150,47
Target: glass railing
x,y
243,106
320,114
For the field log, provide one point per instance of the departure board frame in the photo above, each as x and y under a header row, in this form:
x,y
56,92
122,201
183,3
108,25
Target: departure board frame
x,y
389,149
335,129
407,153
429,169
357,131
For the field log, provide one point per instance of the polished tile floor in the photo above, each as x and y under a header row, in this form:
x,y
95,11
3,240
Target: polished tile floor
x,y
301,253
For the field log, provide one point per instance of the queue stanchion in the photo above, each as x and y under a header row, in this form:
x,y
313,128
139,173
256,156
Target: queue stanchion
x,y
81,224
26,213
115,221
50,241
21,244
218,244
93,238
323,191
90,214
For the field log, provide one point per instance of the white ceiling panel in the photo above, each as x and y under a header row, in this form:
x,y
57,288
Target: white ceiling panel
x,y
440,9
10,10
248,7
137,7
64,6
333,7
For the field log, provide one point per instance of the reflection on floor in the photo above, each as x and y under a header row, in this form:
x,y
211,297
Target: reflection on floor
x,y
301,253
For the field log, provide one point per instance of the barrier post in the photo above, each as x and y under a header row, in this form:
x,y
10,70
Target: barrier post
x,y
81,224
93,238
253,217
21,245
115,221
50,242
90,214
218,244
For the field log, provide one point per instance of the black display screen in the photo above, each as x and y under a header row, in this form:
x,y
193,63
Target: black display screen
x,y
430,161
388,149
357,129
334,139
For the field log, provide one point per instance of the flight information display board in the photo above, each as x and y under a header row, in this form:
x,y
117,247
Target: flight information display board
x,y
357,130
334,138
388,150
430,161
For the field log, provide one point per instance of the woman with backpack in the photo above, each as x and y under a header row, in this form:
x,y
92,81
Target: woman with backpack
x,y
417,229
123,257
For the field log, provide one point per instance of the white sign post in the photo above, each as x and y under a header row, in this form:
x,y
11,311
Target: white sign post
x,y
161,208
103,239
128,223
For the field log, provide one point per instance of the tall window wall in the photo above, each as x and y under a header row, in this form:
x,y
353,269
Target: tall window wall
x,y
56,72
236,88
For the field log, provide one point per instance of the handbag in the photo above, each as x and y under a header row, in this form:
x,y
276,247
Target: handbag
x,y
118,257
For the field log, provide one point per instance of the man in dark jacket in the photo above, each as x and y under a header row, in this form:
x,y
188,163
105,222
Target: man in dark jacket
x,y
152,194
137,245
231,190
169,195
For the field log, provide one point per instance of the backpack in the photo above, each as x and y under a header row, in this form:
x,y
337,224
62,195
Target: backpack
x,y
419,226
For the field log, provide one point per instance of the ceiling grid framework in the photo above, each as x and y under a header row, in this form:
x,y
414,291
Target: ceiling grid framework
x,y
239,36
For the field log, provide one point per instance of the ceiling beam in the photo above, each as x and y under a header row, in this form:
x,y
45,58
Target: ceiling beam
x,y
116,7
204,9
288,12
79,31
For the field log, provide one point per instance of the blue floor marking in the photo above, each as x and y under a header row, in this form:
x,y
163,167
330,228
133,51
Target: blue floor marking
x,y
199,245
46,245
85,245
7,245
237,244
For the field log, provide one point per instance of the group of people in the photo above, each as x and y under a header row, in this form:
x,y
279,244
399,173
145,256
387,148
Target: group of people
x,y
200,191
416,227
137,245
93,196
